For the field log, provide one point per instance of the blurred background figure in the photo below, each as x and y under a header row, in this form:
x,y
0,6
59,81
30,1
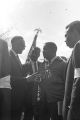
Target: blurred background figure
x,y
5,88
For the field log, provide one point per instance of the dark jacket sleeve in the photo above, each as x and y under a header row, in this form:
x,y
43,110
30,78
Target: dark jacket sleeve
x,y
63,71
76,55
68,87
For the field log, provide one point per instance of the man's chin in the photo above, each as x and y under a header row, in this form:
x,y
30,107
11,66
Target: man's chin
x,y
70,45
20,52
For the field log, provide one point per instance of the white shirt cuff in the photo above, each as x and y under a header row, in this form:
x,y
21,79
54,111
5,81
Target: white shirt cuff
x,y
76,72
5,82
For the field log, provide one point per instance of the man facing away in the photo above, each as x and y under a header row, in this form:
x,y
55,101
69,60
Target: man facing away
x,y
72,86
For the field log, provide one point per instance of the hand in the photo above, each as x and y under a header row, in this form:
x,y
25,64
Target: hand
x,y
34,77
38,78
31,78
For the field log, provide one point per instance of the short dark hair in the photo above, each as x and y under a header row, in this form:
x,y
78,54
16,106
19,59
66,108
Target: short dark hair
x,y
16,38
51,45
74,25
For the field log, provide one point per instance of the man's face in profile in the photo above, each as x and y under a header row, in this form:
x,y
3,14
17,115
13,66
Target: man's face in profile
x,y
20,46
70,37
47,53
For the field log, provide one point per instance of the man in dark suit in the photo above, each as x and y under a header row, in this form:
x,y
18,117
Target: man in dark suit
x,y
54,81
18,81
72,86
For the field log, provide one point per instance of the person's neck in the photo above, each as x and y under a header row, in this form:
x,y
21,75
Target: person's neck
x,y
14,50
53,57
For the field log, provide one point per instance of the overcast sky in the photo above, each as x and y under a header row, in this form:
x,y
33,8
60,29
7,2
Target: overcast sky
x,y
52,16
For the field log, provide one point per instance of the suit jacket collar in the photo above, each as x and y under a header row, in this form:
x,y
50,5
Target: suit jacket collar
x,y
16,57
53,59
14,52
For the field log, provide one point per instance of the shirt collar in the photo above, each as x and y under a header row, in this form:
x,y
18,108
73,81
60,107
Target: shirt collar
x,y
14,52
53,59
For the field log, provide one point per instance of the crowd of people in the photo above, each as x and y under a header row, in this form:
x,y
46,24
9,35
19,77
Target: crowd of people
x,y
47,90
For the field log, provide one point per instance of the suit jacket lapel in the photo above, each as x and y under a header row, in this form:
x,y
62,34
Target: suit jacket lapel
x,y
16,59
